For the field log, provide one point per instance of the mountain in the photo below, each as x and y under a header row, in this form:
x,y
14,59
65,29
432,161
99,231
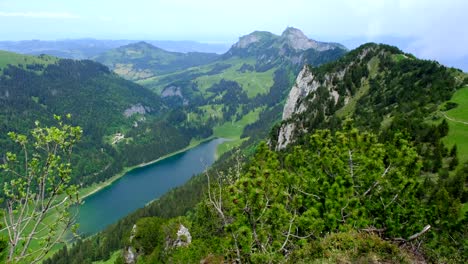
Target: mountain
x,y
292,46
186,46
88,48
361,169
379,86
142,60
68,48
245,87
102,103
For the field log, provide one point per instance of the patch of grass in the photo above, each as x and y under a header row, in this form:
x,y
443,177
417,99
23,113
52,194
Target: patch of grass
x,y
348,109
233,130
373,66
111,260
16,59
460,112
399,57
228,145
253,83
157,83
458,134
463,211
458,131
213,111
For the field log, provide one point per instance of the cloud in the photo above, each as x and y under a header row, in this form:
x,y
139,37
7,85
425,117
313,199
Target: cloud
x,y
65,15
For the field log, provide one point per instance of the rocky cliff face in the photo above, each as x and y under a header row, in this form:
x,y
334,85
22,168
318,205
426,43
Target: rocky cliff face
x,y
130,254
252,38
297,40
305,84
290,46
184,238
314,94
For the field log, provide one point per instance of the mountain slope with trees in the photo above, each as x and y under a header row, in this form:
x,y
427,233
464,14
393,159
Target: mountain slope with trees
x,y
251,79
115,114
364,176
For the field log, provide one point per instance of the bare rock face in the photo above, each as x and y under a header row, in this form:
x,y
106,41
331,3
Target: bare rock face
x,y
305,84
285,135
296,39
171,91
245,41
130,255
300,89
303,93
136,109
183,237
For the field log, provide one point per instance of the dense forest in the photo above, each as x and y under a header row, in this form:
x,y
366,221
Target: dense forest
x,y
366,178
100,102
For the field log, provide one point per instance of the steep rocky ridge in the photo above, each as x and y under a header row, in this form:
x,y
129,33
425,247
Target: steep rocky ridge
x,y
368,80
269,49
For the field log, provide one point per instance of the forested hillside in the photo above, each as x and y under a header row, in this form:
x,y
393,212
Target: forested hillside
x,y
124,124
358,171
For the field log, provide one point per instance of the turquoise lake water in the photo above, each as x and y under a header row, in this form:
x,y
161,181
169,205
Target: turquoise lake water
x,y
142,185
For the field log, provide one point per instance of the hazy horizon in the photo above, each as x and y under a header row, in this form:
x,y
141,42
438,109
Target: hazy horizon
x,y
430,29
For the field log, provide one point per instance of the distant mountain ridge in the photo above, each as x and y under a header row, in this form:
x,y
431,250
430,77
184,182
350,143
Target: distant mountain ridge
x,y
292,37
292,46
142,60
88,48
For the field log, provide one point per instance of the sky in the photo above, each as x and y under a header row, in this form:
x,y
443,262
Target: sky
x,y
428,28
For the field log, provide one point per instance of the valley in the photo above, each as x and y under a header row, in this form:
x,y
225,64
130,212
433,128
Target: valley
x,y
282,149
367,85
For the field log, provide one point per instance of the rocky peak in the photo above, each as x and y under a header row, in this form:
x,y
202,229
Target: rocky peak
x,y
254,37
297,39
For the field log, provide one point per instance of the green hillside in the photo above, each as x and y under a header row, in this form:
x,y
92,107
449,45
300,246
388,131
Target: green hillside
x,y
254,74
101,102
457,119
19,60
142,60
373,183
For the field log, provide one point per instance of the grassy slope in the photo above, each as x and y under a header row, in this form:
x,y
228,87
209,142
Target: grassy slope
x,y
351,105
458,132
253,83
233,131
17,59
157,83
111,260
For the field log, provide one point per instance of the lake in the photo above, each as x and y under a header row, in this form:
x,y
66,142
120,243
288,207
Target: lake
x,y
142,185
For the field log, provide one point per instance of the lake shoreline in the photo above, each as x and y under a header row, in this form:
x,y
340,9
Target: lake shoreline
x,y
101,185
